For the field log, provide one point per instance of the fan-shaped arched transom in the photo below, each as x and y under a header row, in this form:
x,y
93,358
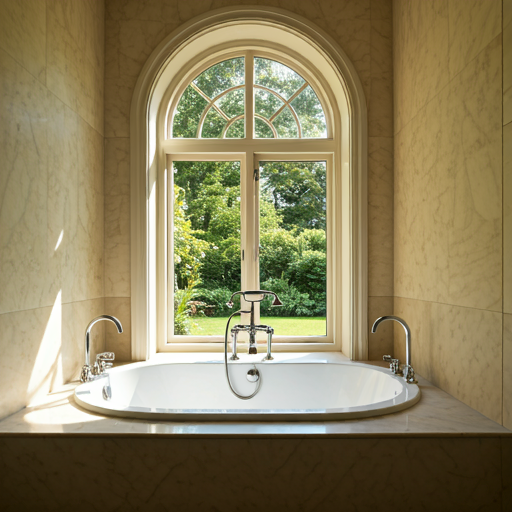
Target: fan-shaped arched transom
x,y
285,105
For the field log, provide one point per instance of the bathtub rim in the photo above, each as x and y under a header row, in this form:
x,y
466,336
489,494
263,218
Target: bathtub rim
x,y
385,407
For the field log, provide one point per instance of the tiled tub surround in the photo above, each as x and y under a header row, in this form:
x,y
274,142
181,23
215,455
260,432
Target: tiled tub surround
x,y
452,195
51,192
439,455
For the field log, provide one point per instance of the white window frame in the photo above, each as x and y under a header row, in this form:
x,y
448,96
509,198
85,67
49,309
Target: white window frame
x,y
246,151
210,37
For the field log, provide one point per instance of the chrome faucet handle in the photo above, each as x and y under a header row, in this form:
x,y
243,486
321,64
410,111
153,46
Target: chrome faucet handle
x,y
394,364
409,374
106,356
86,373
103,361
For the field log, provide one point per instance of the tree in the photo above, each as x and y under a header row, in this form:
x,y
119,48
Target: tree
x,y
298,192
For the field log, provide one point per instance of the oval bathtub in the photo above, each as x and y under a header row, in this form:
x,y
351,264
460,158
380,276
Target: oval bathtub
x,y
290,391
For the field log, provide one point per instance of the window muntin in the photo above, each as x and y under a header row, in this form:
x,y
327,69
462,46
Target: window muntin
x,y
285,124
212,102
284,103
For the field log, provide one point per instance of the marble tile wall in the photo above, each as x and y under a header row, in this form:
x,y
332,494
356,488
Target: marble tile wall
x,y
507,214
448,186
363,28
438,473
51,192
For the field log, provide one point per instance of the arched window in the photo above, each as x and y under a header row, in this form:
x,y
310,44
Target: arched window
x,y
254,156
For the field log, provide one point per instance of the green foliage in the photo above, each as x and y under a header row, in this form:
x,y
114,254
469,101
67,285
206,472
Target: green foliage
x,y
297,191
207,198
188,249
312,240
219,298
183,324
309,274
278,248
188,113
294,302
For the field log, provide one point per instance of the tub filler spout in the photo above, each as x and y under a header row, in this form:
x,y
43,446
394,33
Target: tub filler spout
x,y
103,360
407,369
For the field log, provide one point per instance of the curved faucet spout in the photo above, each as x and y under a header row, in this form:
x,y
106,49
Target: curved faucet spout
x,y
113,319
406,329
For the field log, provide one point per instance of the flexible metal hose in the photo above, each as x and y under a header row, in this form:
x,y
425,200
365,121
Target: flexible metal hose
x,y
242,397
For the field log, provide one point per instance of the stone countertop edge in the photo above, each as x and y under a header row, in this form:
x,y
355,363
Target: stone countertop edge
x,y
437,414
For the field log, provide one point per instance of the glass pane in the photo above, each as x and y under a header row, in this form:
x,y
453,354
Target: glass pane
x,y
188,113
293,246
221,76
232,103
311,115
206,223
266,103
286,125
236,130
213,125
262,130
276,76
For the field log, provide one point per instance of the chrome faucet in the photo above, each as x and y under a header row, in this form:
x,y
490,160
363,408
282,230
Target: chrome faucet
x,y
407,370
103,360
253,296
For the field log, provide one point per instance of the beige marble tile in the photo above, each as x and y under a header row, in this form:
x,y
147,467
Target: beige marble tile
x,y
458,349
62,214
84,23
193,474
382,50
43,348
23,34
147,10
507,371
65,62
354,37
423,202
89,245
473,25
23,341
506,458
380,107
117,217
381,342
507,218
507,61
112,57
137,39
118,98
507,12
120,344
475,241
74,70
24,183
421,56
94,40
448,192
381,9
380,216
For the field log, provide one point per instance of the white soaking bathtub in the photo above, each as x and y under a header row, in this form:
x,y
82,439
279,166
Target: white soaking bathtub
x,y
290,391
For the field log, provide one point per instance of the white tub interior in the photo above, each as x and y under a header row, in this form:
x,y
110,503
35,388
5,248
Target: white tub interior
x,y
289,390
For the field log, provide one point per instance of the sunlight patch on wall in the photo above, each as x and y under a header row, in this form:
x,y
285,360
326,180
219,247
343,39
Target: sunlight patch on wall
x,y
48,363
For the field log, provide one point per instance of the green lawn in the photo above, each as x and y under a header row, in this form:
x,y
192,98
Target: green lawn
x,y
288,326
